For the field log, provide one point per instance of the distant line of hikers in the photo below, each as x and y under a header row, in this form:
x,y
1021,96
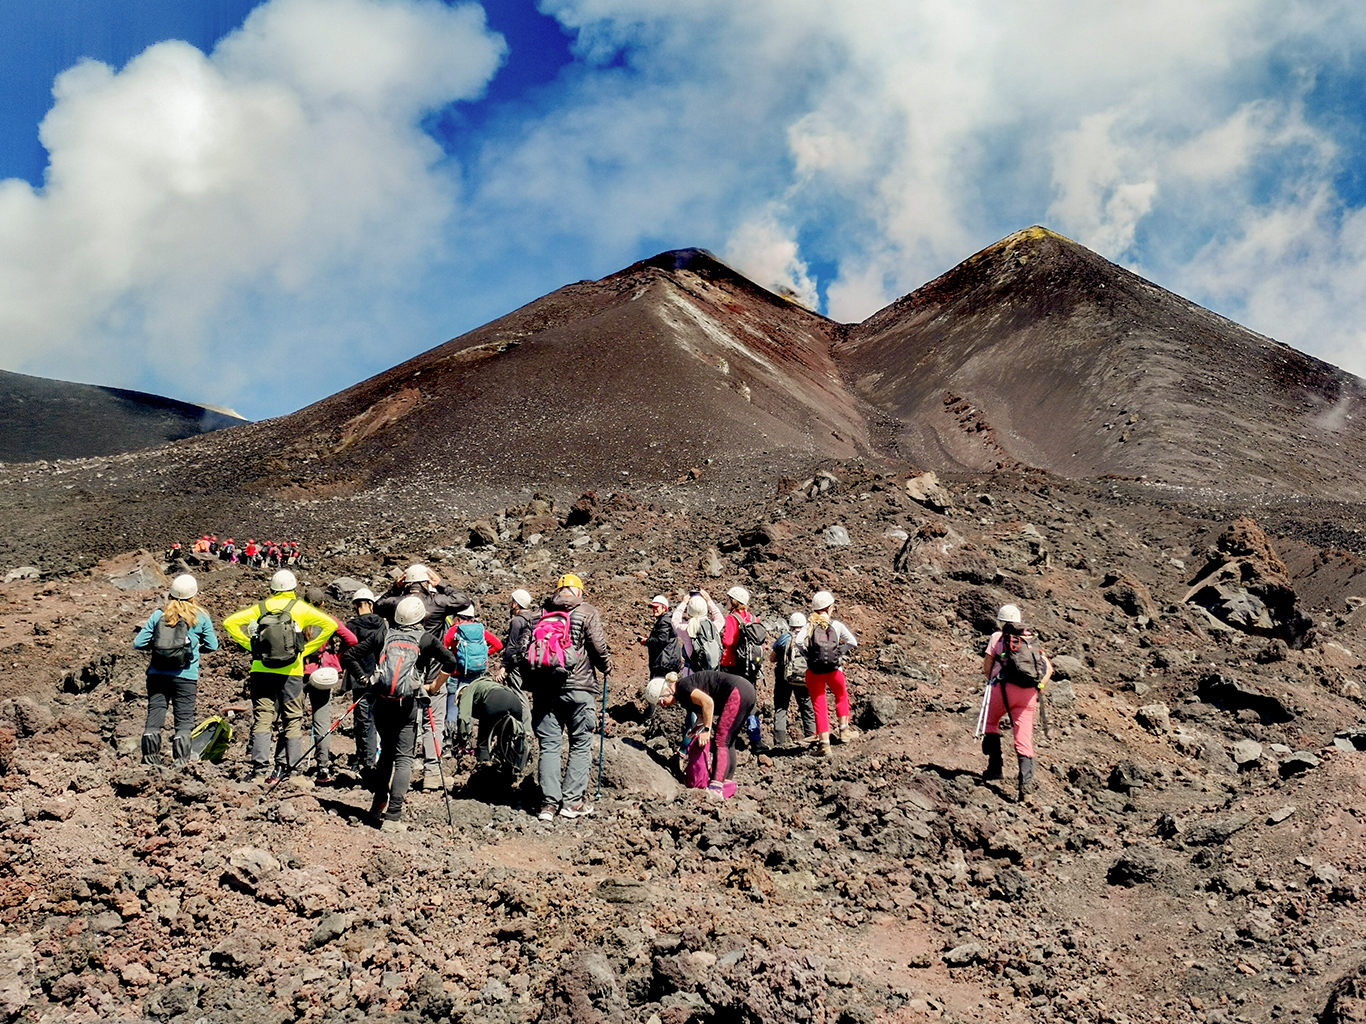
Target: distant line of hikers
x,y
422,671
267,555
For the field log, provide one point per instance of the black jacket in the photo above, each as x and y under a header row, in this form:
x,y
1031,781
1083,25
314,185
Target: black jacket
x,y
446,600
432,654
662,645
517,625
359,671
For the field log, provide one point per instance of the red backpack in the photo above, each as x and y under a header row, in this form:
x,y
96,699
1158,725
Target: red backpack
x,y
551,656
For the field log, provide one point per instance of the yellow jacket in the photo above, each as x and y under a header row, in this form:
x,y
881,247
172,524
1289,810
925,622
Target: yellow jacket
x,y
302,613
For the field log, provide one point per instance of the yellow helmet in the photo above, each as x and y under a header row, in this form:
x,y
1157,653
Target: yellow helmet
x,y
569,580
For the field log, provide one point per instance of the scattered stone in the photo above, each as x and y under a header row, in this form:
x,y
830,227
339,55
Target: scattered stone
x,y
967,953
1298,763
1350,739
926,490
1067,667
332,926
711,563
24,572
1130,595
240,951
483,534
836,537
248,867
1125,777
1327,874
1156,718
1280,814
1215,833
1246,753
879,711
1137,866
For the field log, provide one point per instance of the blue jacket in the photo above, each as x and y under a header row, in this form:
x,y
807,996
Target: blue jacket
x,y
202,638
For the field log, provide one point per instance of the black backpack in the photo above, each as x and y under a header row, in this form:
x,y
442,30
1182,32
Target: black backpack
x,y
171,649
824,652
509,744
1022,659
750,648
671,657
278,641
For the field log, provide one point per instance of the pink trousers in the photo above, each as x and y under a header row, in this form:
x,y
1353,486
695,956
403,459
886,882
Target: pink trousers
x,y
1024,702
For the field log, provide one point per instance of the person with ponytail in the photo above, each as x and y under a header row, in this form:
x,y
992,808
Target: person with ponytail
x,y
825,641
175,636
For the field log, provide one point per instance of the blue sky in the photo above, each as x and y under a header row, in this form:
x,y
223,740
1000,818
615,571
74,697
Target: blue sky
x,y
256,205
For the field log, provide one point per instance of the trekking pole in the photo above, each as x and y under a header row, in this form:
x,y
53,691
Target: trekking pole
x,y
289,770
982,715
436,745
602,735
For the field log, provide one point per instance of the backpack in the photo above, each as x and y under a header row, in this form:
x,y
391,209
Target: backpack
x,y
706,647
510,744
210,739
697,765
171,650
1022,659
396,676
278,641
551,655
794,664
471,649
750,647
824,652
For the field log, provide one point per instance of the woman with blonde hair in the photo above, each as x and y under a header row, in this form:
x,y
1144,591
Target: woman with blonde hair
x,y
175,635
825,641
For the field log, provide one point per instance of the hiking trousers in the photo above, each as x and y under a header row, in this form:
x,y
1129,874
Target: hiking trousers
x,y
726,729
783,691
321,703
276,700
433,732
165,692
396,721
1023,702
367,739
552,715
816,684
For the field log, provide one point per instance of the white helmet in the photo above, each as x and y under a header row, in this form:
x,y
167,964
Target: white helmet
x,y
659,600
325,678
363,594
282,581
697,605
522,598
655,689
184,587
797,620
739,595
1009,613
466,612
822,600
416,574
410,611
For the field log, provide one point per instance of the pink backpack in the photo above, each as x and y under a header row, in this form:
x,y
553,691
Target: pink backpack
x,y
697,773
552,656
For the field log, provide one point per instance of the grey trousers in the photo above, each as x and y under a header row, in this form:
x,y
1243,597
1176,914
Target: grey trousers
x,y
321,703
575,712
433,742
783,692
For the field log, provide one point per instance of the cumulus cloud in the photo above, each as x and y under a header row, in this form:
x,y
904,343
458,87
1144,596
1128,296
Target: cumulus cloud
x,y
191,199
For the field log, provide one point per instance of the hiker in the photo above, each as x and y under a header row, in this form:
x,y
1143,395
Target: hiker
x,y
743,638
564,649
688,619
358,670
662,646
319,690
472,644
273,631
229,551
484,703
826,641
789,681
175,635
519,612
251,551
410,666
438,601
723,699
1017,669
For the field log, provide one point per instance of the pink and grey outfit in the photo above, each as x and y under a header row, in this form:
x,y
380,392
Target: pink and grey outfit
x,y
733,700
1023,702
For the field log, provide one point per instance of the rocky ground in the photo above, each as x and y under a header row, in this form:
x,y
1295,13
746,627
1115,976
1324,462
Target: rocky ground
x,y
1194,852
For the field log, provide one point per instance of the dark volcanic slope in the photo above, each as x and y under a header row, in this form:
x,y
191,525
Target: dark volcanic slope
x,y
1036,351
637,377
55,419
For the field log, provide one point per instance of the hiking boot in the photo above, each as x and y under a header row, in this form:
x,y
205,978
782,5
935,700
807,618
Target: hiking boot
x,y
823,749
578,810
547,813
379,805
324,778
392,823
780,741
991,746
1026,775
848,734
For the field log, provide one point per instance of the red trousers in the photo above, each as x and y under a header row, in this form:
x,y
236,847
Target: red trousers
x,y
816,684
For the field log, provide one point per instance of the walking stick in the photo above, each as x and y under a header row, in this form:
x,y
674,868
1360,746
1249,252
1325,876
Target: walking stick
x,y
436,744
982,715
289,770
602,735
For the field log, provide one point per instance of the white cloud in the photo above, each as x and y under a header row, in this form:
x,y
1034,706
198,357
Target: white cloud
x,y
769,254
187,195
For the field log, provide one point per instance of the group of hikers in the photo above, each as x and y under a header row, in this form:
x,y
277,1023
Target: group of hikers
x,y
268,554
422,672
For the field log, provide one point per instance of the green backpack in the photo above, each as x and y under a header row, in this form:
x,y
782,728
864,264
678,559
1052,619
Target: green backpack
x,y
210,739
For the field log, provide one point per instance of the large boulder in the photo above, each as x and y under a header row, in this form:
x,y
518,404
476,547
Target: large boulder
x,y
628,769
1244,585
926,490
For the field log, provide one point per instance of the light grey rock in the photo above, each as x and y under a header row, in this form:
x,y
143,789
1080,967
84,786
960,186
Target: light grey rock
x,y
837,537
1246,752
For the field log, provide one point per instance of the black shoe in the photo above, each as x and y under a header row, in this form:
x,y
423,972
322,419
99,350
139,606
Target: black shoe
x,y
991,746
324,779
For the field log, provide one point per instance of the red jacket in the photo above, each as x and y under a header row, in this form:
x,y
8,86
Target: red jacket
x,y
730,635
495,645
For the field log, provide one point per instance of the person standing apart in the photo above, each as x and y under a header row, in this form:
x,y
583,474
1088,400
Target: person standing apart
x,y
1017,669
175,635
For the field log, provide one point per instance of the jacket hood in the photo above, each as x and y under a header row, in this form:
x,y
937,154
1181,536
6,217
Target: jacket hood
x,y
564,601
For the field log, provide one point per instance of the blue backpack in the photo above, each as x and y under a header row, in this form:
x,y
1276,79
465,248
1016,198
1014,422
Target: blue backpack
x,y
471,649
